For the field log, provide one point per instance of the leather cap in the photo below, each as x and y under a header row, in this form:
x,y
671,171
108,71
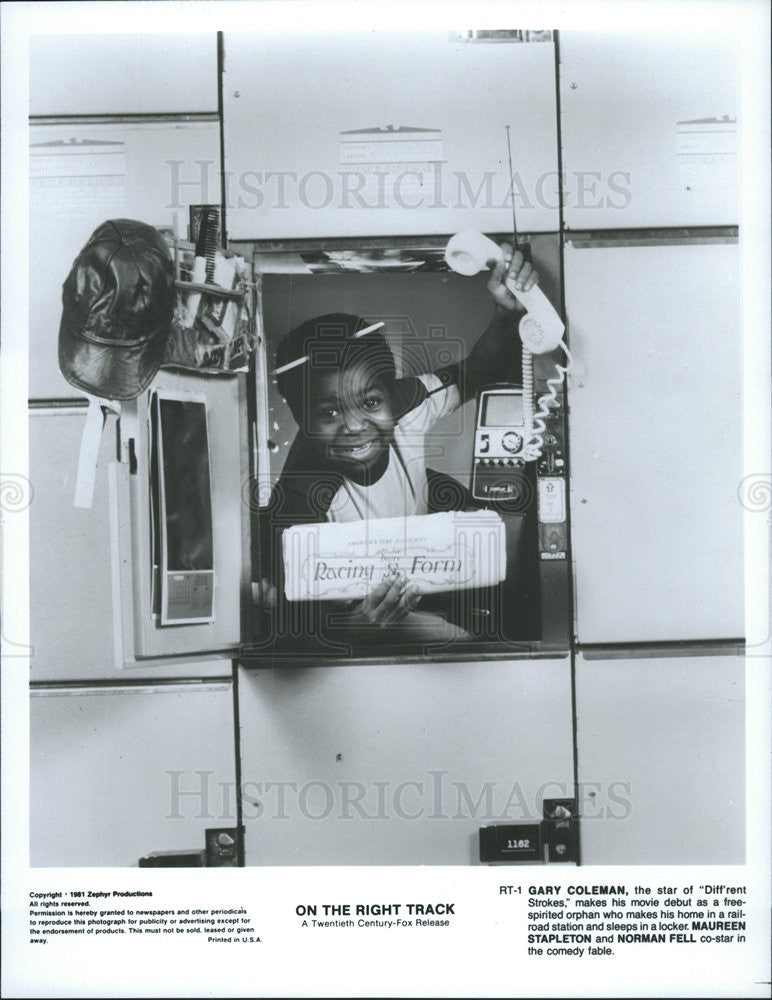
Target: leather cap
x,y
118,302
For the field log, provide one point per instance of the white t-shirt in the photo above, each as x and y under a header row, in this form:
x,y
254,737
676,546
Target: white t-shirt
x,y
402,489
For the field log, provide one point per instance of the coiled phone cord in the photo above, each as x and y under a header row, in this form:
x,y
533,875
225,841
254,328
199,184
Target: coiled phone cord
x,y
533,448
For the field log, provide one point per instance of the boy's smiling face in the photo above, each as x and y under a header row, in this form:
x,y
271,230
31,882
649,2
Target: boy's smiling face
x,y
350,419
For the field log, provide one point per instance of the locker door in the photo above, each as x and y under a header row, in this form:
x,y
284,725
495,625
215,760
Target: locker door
x,y
215,457
122,74
666,736
117,772
656,438
650,128
399,764
347,133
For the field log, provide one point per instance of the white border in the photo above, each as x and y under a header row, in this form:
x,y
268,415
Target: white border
x,y
469,965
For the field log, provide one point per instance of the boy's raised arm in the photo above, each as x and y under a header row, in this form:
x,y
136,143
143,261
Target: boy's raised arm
x,y
497,351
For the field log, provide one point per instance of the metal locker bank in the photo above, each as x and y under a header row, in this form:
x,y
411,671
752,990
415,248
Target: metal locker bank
x,y
564,685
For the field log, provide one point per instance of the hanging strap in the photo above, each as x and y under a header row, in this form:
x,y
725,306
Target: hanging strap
x,y
89,450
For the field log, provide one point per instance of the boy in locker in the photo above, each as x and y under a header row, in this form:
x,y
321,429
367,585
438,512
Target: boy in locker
x,y
359,450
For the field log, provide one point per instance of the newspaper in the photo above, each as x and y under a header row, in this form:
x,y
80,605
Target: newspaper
x,y
435,552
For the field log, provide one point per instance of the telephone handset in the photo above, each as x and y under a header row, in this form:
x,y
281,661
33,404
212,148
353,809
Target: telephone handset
x,y
541,329
520,438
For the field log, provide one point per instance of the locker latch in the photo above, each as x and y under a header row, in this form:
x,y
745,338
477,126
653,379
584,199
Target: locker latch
x,y
560,828
224,849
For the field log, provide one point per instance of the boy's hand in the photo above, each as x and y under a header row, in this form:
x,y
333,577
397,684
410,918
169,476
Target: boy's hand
x,y
516,269
389,602
393,602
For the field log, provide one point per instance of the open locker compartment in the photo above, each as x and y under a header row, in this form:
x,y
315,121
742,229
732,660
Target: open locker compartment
x,y
431,318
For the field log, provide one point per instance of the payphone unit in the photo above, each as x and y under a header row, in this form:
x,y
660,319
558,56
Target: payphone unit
x,y
509,430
